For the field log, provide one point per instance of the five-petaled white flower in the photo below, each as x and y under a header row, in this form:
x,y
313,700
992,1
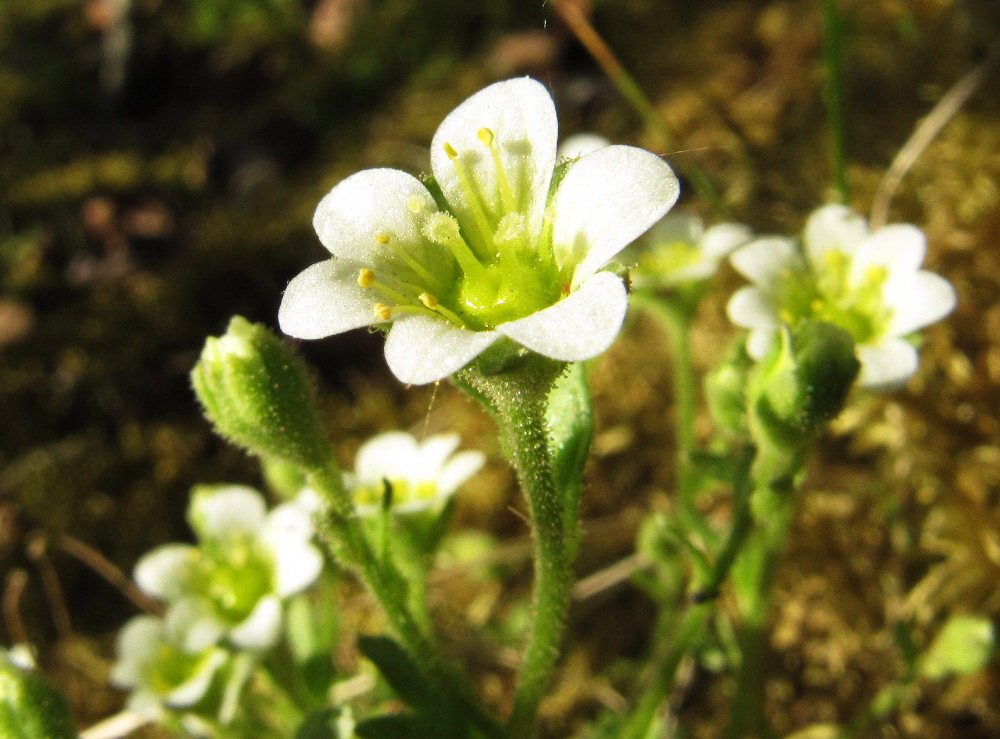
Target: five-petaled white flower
x,y
154,664
500,243
680,249
868,283
421,475
247,561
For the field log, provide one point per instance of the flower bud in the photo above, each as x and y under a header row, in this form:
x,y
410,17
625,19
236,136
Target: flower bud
x,y
29,706
257,394
802,384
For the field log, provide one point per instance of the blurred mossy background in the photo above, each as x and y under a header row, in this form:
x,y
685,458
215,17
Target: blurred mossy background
x,y
159,164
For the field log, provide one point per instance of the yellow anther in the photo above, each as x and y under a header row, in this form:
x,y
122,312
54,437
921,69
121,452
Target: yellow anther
x,y
383,312
416,204
450,151
382,238
486,136
428,300
366,277
816,305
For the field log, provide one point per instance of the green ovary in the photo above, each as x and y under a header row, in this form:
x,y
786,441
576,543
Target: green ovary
x,y
235,578
172,667
858,309
505,291
402,492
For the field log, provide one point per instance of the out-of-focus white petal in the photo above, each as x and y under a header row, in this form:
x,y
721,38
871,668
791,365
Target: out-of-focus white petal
x,y
833,227
581,143
522,118
377,204
297,564
459,469
222,511
434,452
887,365
677,225
605,201
390,455
192,625
767,260
759,342
918,300
325,299
136,647
420,349
164,572
261,628
723,238
578,327
751,307
193,689
899,248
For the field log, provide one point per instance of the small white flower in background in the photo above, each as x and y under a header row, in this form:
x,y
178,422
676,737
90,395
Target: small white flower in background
x,y
680,249
422,475
246,563
498,253
154,664
868,283
581,143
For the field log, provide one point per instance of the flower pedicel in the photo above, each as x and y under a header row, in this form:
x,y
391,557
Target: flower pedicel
x,y
499,243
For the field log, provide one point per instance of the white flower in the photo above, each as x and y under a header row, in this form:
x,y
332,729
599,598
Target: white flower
x,y
247,562
488,248
868,283
155,665
422,475
680,249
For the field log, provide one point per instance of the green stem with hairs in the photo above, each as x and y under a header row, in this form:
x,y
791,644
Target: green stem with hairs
x,y
517,398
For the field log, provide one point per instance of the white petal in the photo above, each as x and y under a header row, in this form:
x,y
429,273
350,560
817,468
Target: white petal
x,y
297,565
606,200
899,248
164,572
751,307
216,512
759,342
421,349
325,299
522,117
377,203
917,301
765,261
390,455
723,238
261,628
288,522
193,625
581,143
833,227
434,452
888,365
136,646
578,327
459,469
193,689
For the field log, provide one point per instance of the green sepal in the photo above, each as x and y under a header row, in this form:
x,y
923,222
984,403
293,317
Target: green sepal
x,y
726,389
404,677
30,708
258,395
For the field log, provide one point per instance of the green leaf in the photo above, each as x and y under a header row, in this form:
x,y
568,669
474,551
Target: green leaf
x,y
964,646
402,674
30,708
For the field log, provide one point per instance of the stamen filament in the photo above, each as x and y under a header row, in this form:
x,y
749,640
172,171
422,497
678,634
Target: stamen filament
x,y
421,311
412,263
432,303
473,199
506,193
442,229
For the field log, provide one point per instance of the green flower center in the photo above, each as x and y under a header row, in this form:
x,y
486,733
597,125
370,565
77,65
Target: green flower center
x,y
234,575
827,295
504,272
172,667
666,258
